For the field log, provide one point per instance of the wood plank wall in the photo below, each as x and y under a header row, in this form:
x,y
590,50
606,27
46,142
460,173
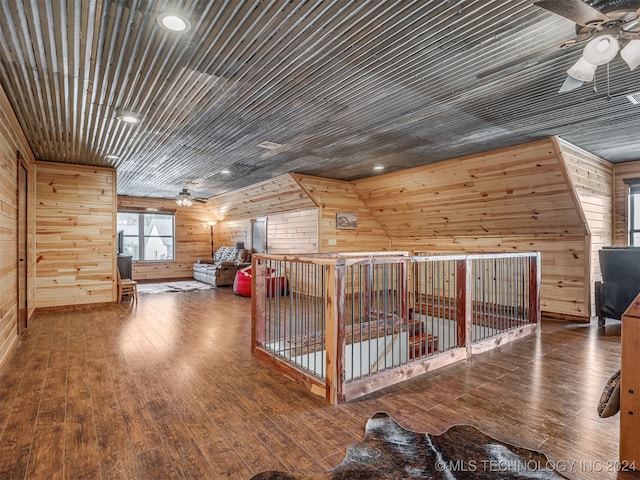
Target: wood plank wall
x,y
333,196
287,233
12,140
542,196
293,232
621,172
280,194
562,258
75,234
192,238
520,190
513,199
301,193
231,231
591,178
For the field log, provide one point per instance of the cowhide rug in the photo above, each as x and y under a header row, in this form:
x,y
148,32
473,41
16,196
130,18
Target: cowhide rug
x,y
172,287
462,452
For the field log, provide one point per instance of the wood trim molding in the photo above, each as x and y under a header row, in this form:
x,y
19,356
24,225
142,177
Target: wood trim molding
x,y
556,142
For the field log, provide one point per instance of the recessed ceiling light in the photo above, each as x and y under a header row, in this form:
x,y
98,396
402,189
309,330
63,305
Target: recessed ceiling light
x,y
379,167
112,157
174,22
129,117
226,172
269,145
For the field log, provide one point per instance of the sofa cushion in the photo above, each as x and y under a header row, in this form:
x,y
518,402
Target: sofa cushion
x,y
226,254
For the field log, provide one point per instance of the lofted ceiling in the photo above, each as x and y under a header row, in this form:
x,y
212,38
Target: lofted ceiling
x,y
338,86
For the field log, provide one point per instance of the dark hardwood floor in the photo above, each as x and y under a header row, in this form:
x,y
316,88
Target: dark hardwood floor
x,y
168,388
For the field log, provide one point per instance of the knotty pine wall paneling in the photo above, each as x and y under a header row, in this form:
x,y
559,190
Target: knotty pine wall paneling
x,y
12,140
278,195
540,196
520,190
515,199
563,281
75,234
333,196
293,232
622,172
591,178
192,238
287,233
231,231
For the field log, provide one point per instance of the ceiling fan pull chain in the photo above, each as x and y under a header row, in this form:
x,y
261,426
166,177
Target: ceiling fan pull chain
x,y
608,84
595,85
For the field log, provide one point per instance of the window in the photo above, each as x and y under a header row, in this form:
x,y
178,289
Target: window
x,y
634,211
148,237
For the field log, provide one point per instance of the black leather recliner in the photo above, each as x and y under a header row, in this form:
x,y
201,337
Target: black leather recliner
x,y
620,267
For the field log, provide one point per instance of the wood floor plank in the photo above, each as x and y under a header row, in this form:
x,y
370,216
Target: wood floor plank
x,y
248,446
138,422
168,388
185,454
46,457
17,436
82,459
156,463
225,461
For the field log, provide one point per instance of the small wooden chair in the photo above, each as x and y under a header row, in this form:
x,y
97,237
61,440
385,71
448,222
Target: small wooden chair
x,y
127,286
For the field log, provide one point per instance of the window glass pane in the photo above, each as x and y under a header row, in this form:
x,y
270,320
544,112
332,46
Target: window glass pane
x,y
131,247
158,248
636,212
155,224
636,239
158,235
129,223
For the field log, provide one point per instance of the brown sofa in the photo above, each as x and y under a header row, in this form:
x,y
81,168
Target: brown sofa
x,y
222,272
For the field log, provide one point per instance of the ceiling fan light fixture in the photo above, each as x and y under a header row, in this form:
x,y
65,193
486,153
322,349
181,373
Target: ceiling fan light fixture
x,y
570,84
582,70
631,54
184,198
601,50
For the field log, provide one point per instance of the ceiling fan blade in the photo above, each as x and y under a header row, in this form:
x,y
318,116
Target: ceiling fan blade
x,y
185,194
575,10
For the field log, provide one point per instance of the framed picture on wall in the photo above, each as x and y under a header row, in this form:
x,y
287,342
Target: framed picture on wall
x,y
346,221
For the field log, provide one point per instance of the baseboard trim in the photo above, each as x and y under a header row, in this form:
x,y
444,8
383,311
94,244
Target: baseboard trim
x,y
163,280
566,317
10,350
80,306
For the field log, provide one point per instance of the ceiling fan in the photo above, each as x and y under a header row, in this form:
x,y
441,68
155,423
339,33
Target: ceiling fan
x,y
185,199
609,28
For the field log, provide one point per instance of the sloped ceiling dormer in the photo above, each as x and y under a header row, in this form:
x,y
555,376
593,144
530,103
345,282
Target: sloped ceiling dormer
x,y
521,190
278,195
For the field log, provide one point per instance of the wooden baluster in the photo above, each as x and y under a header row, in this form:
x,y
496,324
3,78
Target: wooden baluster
x,y
534,289
464,314
258,296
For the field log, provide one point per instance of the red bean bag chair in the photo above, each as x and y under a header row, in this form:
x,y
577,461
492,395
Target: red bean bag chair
x,y
242,282
276,286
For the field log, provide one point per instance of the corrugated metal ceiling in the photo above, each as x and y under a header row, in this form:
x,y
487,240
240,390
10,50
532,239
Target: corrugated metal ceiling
x,y
340,85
